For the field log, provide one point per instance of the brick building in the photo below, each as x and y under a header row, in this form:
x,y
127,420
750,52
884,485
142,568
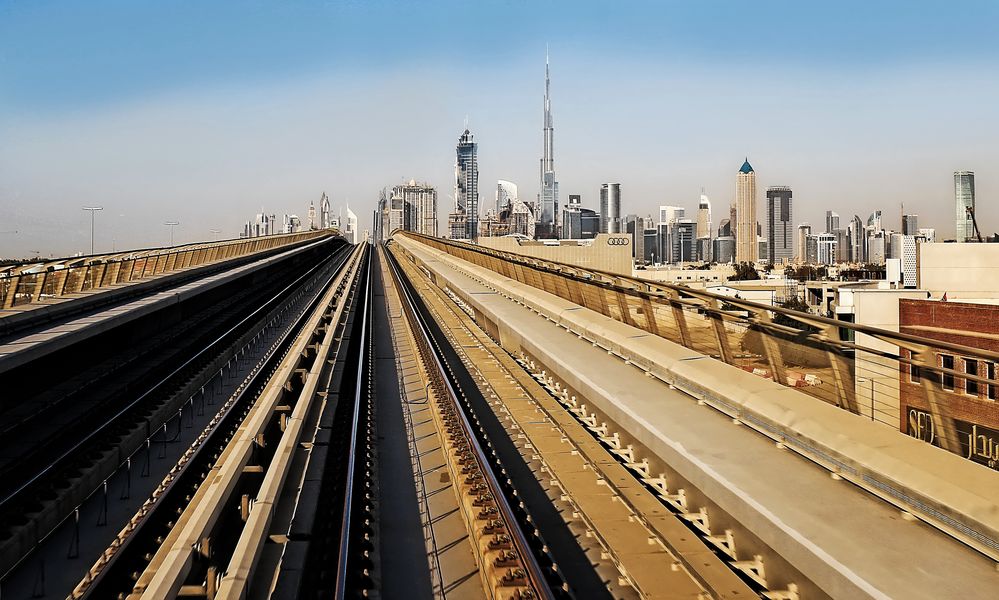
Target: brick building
x,y
971,403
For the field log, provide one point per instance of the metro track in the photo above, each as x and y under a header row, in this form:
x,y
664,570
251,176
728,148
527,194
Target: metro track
x,y
269,492
543,556
148,529
75,462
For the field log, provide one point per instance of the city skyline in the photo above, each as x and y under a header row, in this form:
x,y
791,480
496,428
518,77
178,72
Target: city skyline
x,y
205,144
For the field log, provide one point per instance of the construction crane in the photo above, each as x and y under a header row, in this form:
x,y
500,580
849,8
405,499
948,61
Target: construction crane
x,y
974,223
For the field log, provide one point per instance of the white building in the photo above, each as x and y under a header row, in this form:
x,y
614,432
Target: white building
x,y
610,208
291,224
262,224
324,212
506,194
826,248
350,231
670,214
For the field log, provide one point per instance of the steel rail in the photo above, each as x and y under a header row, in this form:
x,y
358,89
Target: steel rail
x,y
242,570
213,345
362,387
535,575
171,565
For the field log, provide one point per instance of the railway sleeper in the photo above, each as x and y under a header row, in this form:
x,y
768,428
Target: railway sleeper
x,y
679,501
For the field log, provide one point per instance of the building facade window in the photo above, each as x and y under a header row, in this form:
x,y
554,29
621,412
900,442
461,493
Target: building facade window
x,y
947,362
915,376
990,373
971,368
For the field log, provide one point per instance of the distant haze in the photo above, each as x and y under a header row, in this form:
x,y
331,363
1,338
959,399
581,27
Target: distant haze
x,y
206,115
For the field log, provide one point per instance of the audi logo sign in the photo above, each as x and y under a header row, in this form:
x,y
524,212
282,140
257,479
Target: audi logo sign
x,y
618,241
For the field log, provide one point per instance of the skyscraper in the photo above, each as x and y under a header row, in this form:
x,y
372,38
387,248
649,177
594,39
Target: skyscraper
x,y
579,223
634,225
572,217
466,188
746,248
506,194
725,228
351,230
324,212
419,203
780,235
826,252
669,214
964,198
832,221
399,214
703,249
804,232
910,224
704,218
855,233
610,208
548,213
681,239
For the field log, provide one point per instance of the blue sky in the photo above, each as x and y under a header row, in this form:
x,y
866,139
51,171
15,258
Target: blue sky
x,y
206,112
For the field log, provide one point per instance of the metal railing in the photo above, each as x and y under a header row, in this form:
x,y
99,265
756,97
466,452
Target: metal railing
x,y
940,392
28,283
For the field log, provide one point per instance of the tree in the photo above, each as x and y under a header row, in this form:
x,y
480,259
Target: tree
x,y
744,271
796,304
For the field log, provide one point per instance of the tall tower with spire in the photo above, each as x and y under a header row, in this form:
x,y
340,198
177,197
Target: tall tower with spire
x,y
746,246
324,212
465,221
548,213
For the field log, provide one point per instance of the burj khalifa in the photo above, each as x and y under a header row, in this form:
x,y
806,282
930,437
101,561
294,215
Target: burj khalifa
x,y
548,215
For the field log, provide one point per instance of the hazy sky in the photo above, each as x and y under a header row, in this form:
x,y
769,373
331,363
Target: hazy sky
x,y
206,112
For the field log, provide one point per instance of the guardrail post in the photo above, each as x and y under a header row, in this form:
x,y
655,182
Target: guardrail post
x,y
82,279
8,300
39,286
679,317
845,382
99,274
721,338
772,348
60,285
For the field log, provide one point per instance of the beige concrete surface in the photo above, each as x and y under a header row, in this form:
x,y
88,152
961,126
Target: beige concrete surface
x,y
849,543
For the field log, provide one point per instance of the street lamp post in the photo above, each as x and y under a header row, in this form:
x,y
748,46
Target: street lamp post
x,y
171,225
93,210
215,233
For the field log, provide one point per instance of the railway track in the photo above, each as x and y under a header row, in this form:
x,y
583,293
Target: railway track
x,y
136,544
83,461
514,559
606,493
210,528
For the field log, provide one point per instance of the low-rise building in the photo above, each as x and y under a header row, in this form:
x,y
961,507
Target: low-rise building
x,y
970,404
958,270
606,252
